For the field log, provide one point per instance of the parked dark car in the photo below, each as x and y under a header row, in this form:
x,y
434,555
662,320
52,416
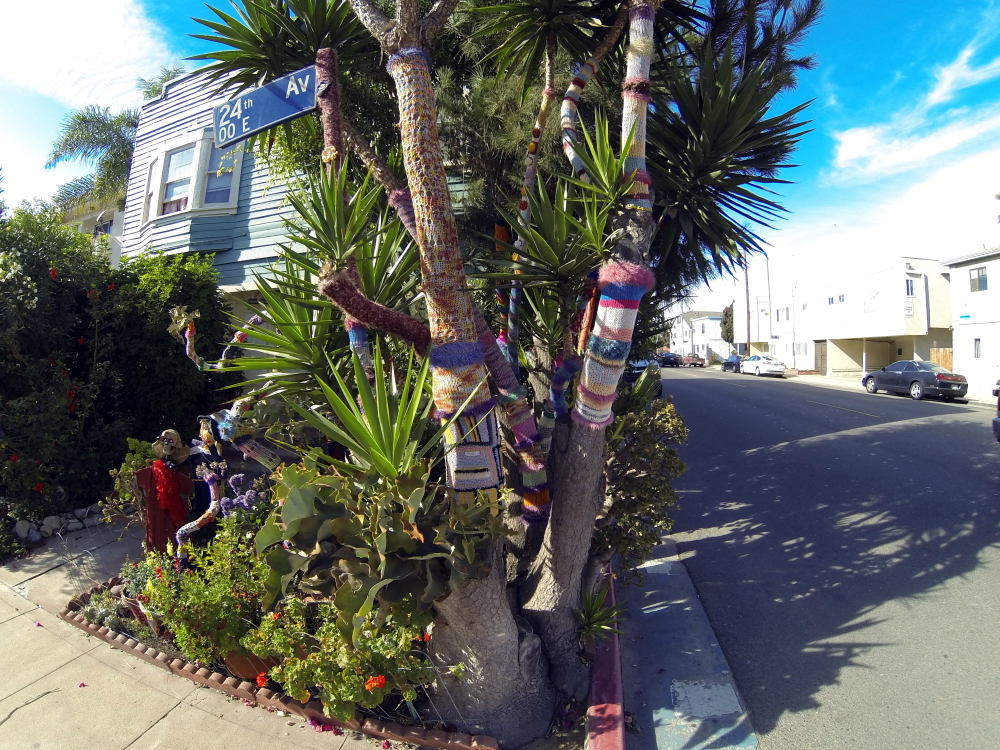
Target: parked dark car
x,y
634,369
917,378
996,419
732,364
671,359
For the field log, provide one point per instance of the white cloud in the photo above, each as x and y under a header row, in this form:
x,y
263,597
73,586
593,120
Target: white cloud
x,y
918,134
80,53
950,213
87,52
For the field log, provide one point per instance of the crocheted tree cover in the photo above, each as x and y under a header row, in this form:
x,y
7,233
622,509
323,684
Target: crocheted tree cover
x,y
568,115
528,441
622,283
456,356
501,233
362,312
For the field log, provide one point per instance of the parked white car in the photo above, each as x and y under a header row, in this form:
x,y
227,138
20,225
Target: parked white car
x,y
762,365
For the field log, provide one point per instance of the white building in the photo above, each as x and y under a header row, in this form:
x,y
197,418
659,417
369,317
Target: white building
x,y
866,320
975,318
698,332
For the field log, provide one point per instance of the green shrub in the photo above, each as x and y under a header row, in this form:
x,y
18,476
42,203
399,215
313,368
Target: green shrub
x,y
85,359
643,463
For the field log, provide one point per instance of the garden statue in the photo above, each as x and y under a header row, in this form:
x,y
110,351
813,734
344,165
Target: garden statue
x,y
162,486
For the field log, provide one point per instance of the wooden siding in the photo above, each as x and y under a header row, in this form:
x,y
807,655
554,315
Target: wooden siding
x,y
243,241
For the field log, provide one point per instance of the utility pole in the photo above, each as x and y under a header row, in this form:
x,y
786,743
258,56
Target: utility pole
x,y
746,275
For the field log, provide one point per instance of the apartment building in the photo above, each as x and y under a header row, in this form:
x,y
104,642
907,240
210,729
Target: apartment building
x,y
975,318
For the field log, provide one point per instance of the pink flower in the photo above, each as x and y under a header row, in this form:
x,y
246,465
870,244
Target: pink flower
x,y
82,684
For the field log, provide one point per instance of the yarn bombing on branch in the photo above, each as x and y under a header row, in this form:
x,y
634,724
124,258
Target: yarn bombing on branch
x,y
622,287
635,103
457,360
185,531
569,116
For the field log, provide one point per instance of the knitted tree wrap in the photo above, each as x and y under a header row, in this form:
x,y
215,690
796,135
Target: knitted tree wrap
x,y
560,381
569,115
472,455
340,289
635,102
456,357
622,287
402,203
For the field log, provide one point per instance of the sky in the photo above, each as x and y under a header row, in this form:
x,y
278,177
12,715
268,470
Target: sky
x,y
903,157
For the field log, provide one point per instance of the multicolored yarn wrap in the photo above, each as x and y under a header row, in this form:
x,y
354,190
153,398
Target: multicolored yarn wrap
x,y
357,334
635,103
622,287
472,456
402,202
456,357
565,372
240,337
569,115
501,233
546,426
344,293
528,441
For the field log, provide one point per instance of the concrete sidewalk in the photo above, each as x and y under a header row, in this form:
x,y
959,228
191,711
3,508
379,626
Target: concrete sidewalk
x,y
63,690
678,689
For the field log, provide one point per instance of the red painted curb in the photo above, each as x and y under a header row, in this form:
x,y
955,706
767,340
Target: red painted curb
x,y
262,696
606,715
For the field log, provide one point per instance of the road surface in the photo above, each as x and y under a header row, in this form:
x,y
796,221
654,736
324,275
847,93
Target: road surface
x,y
845,547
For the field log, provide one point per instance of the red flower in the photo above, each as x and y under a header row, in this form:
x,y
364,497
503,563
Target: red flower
x,y
111,287
66,374
81,340
427,637
386,744
159,572
39,487
70,395
72,408
76,388
13,458
52,362
53,273
275,615
262,679
375,682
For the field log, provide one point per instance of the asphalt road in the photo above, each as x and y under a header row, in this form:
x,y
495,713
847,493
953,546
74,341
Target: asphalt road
x,y
845,547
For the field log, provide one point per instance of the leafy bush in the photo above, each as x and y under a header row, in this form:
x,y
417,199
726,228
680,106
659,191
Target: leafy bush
x,y
643,462
127,503
315,654
85,359
211,606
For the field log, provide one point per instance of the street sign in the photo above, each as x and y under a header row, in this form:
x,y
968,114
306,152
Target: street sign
x,y
260,109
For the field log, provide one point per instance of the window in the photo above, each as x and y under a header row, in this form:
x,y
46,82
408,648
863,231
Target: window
x,y
777,315
841,298
977,349
787,314
829,300
977,277
909,287
177,181
219,179
805,305
801,349
702,327
190,174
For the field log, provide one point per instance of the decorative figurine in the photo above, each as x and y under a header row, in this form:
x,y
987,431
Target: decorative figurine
x,y
206,460
162,485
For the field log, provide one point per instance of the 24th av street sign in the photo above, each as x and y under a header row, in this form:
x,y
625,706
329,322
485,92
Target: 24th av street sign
x,y
260,109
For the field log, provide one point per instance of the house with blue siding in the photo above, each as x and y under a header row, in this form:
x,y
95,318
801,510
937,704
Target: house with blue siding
x,y
185,195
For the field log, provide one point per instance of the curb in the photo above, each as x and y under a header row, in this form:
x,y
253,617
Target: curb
x,y
249,692
606,714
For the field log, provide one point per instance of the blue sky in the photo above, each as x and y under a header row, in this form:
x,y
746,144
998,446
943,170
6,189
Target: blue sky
x,y
904,157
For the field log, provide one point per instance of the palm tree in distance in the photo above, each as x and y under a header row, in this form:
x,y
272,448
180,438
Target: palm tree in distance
x,y
96,136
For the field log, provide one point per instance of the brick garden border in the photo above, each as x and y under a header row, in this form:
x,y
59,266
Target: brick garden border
x,y
606,713
248,691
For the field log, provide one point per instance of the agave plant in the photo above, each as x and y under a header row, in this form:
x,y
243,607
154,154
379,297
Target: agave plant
x,y
374,528
596,620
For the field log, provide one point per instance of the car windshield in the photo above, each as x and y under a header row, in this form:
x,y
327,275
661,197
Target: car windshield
x,y
931,367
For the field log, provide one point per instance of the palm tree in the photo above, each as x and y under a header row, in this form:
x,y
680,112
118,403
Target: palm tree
x,y
95,136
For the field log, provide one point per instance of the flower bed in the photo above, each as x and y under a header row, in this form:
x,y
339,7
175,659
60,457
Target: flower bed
x,y
311,711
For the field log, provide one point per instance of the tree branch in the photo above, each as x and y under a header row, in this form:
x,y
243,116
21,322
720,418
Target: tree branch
x,y
436,18
372,161
375,21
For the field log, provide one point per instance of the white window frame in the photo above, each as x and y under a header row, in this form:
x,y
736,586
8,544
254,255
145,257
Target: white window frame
x,y
202,140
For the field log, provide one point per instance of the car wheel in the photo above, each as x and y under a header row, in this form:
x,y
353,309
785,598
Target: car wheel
x,y
916,390
870,385
757,372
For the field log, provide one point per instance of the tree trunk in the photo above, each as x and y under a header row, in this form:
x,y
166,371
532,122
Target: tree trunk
x,y
504,692
576,462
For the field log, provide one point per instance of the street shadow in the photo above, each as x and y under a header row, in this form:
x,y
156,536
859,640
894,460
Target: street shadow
x,y
794,547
